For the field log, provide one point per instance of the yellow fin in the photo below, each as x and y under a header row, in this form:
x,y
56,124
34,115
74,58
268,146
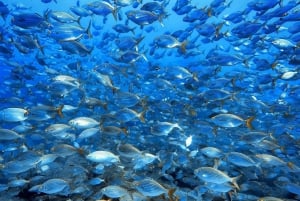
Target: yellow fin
x,y
249,123
59,111
183,46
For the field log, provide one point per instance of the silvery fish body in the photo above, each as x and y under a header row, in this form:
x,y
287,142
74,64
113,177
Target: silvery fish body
x,y
137,100
104,157
52,186
83,122
114,191
209,174
6,135
13,114
150,187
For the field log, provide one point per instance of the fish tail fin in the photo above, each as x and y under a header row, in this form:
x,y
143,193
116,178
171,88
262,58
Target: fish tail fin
x,y
46,14
234,182
115,13
160,19
139,40
171,195
78,20
115,90
233,81
125,131
104,105
290,165
132,30
144,57
141,116
59,111
88,30
233,96
41,48
183,46
195,77
249,123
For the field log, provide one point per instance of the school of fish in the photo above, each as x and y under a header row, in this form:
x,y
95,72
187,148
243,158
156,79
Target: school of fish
x,y
140,100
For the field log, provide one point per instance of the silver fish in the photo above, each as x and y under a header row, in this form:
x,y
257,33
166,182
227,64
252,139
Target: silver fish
x,y
14,114
104,157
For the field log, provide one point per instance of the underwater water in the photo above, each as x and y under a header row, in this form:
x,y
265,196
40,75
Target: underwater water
x,y
179,100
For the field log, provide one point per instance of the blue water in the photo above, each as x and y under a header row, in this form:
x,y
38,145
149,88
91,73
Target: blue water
x,y
222,75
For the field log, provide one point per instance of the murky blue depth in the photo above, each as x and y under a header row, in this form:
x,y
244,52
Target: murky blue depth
x,y
132,100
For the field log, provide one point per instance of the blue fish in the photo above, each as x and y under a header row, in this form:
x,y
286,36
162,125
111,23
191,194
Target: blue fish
x,y
27,20
4,11
180,100
142,17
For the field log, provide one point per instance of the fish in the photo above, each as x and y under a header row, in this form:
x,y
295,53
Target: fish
x,y
142,17
83,122
80,11
149,100
209,174
87,133
44,112
240,30
235,17
4,11
7,135
66,80
114,191
269,198
113,130
268,160
127,99
75,47
164,128
62,17
121,28
56,129
52,186
231,121
150,187
240,159
129,56
69,32
126,115
18,183
27,20
102,8
124,3
212,152
128,151
167,41
104,79
128,43
216,95
283,43
196,14
144,160
14,114
104,157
